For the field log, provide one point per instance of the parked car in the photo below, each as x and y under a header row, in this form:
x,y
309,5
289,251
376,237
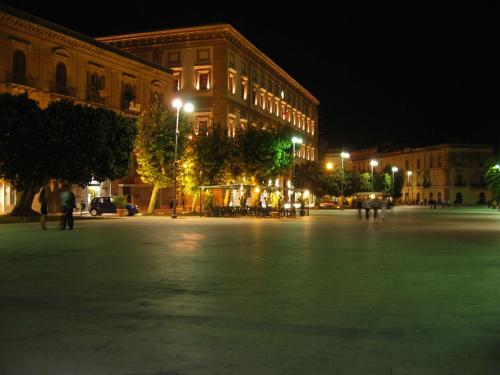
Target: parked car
x,y
327,202
105,205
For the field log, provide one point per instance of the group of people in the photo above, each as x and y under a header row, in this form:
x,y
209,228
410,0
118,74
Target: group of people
x,y
67,204
374,205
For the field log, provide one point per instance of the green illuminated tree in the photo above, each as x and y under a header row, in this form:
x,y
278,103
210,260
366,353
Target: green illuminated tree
x,y
493,180
155,146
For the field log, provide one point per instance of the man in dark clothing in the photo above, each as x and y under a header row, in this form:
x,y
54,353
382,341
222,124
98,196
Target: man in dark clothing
x,y
68,211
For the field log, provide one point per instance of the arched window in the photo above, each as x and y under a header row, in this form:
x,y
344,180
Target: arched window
x,y
61,78
19,67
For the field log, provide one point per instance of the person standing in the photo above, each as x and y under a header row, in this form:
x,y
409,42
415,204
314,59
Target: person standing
x,y
42,198
69,205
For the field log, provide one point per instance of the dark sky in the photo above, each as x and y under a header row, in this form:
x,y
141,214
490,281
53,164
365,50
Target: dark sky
x,y
414,75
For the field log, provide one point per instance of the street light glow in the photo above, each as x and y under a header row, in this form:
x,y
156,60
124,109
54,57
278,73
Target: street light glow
x,y
373,163
497,166
394,169
188,107
177,103
345,155
329,166
297,140
409,173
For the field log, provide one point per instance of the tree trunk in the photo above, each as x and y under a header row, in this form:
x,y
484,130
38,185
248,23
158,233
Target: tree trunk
x,y
193,203
152,201
24,203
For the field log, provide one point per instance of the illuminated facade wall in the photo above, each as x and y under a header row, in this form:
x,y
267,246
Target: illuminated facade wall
x,y
49,63
441,172
231,82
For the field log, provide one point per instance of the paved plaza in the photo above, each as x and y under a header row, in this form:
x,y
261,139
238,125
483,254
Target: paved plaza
x,y
416,293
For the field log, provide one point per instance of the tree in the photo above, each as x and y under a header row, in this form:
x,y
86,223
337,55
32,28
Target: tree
x,y
210,156
310,175
493,180
155,147
88,143
23,148
261,155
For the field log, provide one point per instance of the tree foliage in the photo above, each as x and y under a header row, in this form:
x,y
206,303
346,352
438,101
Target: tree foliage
x,y
493,180
88,143
68,142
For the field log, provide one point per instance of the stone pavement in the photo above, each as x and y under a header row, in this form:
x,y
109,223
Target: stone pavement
x,y
417,293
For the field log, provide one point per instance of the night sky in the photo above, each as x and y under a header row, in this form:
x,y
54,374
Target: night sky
x,y
385,75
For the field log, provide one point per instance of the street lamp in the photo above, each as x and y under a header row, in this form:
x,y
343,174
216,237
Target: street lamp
x,y
329,166
409,173
394,170
188,107
343,155
373,163
295,140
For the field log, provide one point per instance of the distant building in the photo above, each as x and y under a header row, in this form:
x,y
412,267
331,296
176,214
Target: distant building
x,y
50,63
231,82
451,173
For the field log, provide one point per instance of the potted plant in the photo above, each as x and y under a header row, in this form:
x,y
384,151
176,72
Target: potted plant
x,y
120,201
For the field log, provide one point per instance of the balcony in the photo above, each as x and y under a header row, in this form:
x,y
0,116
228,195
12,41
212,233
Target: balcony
x,y
63,90
22,80
95,96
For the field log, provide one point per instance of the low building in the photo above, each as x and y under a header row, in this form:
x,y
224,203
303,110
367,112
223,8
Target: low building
x,y
50,63
451,173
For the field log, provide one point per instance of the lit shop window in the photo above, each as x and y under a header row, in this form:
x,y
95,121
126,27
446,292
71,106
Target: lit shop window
x,y
231,82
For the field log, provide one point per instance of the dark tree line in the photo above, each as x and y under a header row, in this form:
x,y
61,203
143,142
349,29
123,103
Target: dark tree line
x,y
67,142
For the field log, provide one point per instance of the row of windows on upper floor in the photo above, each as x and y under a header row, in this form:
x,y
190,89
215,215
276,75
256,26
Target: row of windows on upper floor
x,y
203,57
273,104
96,84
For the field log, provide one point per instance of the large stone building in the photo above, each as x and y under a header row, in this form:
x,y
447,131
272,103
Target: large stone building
x,y
50,62
231,82
446,172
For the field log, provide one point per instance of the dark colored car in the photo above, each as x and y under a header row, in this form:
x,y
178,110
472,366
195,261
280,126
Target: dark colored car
x,y
105,205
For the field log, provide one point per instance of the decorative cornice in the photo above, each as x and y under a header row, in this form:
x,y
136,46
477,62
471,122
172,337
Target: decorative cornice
x,y
203,33
37,27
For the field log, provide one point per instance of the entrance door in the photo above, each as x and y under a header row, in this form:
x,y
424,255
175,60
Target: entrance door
x,y
458,198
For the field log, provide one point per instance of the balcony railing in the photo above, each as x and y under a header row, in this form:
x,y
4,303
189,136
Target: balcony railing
x,y
22,80
94,96
64,90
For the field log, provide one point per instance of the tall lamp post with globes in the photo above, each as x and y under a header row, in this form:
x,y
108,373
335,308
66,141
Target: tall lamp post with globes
x,y
409,173
343,155
394,170
295,140
187,107
373,163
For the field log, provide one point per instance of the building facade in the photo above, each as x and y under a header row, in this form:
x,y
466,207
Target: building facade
x,y
50,63
452,173
231,82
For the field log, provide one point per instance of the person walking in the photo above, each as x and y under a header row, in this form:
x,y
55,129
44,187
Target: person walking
x,y
42,198
359,205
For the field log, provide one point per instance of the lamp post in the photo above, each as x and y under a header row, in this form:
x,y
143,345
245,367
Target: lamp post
x,y
409,173
295,140
188,107
343,155
373,163
394,170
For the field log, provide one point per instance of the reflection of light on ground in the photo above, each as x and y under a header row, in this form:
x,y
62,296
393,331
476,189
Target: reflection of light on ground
x,y
187,241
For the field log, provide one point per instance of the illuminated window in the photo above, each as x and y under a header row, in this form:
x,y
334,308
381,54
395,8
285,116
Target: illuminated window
x,y
277,107
312,154
177,81
231,126
312,127
203,79
263,99
231,84
202,124
243,124
270,103
129,94
244,88
255,94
